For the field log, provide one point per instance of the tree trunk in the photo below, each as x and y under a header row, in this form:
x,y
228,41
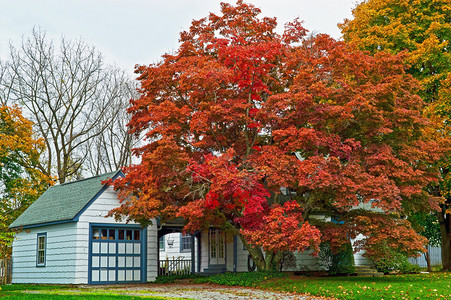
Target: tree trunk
x,y
444,221
268,261
427,256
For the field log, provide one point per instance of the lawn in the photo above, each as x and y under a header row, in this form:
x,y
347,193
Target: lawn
x,y
60,292
416,286
435,285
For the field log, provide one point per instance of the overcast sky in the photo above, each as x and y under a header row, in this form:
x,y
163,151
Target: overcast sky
x,y
130,32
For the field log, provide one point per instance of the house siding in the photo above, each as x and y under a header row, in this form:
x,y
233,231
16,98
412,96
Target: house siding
x,y
241,257
174,251
204,250
359,259
60,261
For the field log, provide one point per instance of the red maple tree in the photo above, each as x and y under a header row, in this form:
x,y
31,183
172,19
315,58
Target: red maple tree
x,y
239,112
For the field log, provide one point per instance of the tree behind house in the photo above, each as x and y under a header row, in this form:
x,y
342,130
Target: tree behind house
x,y
75,101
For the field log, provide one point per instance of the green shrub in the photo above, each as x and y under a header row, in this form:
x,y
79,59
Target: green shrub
x,y
252,279
341,262
394,261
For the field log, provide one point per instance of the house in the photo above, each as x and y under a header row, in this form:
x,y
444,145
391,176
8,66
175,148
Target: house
x,y
66,238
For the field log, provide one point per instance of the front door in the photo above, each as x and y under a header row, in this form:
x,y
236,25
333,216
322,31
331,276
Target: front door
x,y
217,247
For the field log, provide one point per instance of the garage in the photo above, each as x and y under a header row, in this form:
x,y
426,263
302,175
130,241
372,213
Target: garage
x,y
116,254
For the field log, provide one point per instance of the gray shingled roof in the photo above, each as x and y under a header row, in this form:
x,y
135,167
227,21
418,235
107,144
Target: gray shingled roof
x,y
62,202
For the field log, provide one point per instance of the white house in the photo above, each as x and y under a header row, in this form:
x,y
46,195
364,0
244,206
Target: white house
x,y
66,238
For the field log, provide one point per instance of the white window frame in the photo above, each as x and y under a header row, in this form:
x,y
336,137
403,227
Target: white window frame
x,y
41,248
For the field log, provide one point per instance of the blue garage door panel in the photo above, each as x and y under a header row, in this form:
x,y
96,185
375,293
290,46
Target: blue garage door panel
x,y
116,253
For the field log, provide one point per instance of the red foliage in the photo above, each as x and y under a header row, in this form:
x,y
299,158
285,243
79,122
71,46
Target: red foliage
x,y
239,112
284,229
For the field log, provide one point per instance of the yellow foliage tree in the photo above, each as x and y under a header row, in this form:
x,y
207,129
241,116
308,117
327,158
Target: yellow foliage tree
x,y
21,182
422,30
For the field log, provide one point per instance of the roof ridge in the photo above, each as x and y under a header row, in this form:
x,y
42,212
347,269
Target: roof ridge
x,y
84,179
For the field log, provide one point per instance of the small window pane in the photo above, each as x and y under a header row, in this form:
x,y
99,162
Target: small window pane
x,y
129,261
95,234
186,242
137,248
95,275
161,243
129,248
129,235
103,262
104,234
41,258
136,235
137,275
121,261
129,275
95,247
112,234
95,261
104,248
112,262
121,234
121,275
103,275
111,275
136,262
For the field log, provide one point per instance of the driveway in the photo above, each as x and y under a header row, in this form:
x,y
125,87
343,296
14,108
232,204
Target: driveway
x,y
200,291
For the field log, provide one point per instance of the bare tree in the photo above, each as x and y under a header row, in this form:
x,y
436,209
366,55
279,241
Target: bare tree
x,y
112,148
72,97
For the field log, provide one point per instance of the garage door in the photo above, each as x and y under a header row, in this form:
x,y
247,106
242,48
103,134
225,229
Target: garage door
x,y
116,254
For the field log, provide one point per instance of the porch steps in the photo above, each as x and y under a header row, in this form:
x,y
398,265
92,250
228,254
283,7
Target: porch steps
x,y
367,271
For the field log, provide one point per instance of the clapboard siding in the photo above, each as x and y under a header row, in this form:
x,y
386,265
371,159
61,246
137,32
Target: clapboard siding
x,y
204,250
152,252
359,259
60,257
305,261
242,257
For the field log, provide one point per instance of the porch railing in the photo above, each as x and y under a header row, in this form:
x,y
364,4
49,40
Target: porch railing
x,y
175,266
5,271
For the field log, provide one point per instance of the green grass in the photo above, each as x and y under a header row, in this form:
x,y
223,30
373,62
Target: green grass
x,y
68,292
435,285
417,286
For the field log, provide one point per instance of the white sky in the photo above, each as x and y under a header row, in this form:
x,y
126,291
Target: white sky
x,y
130,32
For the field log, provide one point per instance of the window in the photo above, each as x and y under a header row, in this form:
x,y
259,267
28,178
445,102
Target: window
x,y
41,249
185,242
161,241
